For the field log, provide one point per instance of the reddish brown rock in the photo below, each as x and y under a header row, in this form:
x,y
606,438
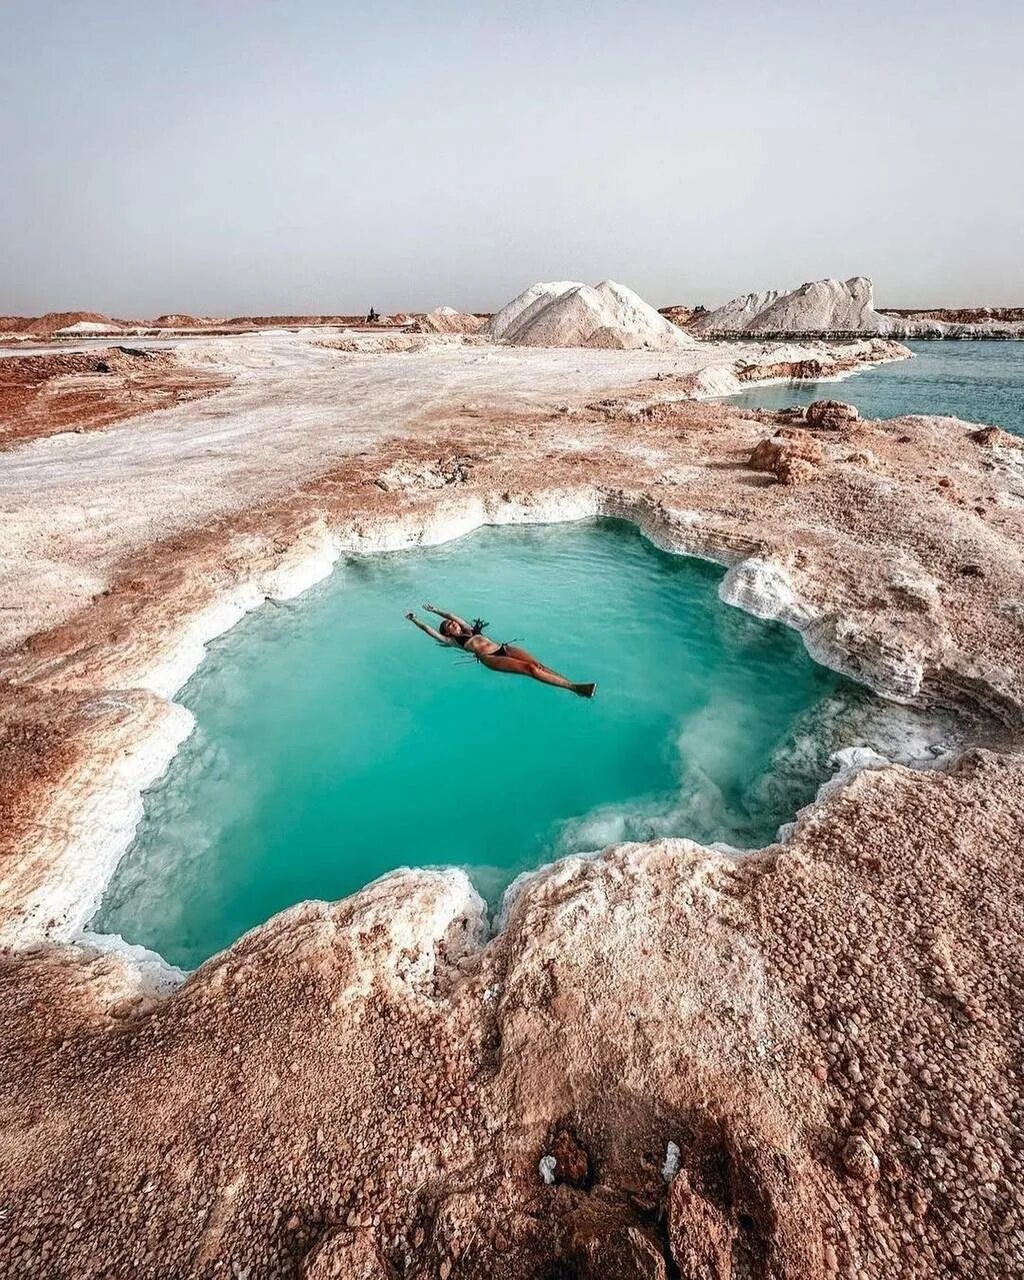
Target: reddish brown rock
x,y
791,455
700,1234
572,1164
629,1253
859,1158
345,1255
830,414
991,437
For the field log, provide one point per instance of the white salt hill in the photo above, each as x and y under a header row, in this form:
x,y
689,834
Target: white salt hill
x,y
570,314
820,307
836,309
529,301
736,315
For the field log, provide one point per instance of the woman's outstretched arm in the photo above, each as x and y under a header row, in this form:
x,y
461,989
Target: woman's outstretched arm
x,y
434,635
452,617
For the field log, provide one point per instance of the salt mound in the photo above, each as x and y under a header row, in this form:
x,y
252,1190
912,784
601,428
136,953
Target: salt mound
x,y
90,326
824,307
540,293
448,320
736,315
566,314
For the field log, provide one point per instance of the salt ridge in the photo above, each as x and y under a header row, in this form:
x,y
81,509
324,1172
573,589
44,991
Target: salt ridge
x,y
833,308
819,306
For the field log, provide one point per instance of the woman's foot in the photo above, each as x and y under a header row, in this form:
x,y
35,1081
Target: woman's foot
x,y
584,690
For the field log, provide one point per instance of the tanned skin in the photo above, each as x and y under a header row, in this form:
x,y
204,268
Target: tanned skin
x,y
458,633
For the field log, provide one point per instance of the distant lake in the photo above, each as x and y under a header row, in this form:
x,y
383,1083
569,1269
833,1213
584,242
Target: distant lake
x,y
976,381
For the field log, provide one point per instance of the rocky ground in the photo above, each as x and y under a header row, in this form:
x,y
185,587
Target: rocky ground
x,y
83,391
667,1063
962,315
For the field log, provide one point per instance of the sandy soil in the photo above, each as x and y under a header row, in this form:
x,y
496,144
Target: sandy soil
x,y
828,1033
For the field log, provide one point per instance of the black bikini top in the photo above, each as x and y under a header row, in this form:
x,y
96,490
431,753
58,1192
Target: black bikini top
x,y
477,630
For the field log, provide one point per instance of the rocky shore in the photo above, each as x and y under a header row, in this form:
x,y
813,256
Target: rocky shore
x,y
667,1063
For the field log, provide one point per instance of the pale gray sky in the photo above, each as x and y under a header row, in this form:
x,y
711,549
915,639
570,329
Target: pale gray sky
x,y
226,156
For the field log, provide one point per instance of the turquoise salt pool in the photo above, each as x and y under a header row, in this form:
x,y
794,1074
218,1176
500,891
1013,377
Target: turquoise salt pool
x,y
335,742
975,381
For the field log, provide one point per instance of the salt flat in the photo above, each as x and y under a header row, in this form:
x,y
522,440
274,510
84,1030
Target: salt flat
x,y
73,505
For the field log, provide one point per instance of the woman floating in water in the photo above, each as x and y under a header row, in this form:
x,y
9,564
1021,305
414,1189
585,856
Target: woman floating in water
x,y
458,632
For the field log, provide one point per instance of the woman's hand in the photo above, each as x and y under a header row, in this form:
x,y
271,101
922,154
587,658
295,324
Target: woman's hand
x,y
411,616
431,608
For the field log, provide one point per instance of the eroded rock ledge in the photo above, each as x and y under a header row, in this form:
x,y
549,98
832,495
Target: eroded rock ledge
x,y
803,1064
826,1032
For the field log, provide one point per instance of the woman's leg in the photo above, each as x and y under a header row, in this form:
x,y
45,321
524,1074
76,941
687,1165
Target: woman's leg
x,y
533,669
514,651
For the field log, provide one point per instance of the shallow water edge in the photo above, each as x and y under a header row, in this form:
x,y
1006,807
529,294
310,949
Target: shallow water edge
x,y
334,740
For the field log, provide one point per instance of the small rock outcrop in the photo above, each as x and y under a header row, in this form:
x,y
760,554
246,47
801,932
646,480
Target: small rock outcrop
x,y
700,1234
432,474
792,456
995,437
683,316
830,414
859,1159
345,1255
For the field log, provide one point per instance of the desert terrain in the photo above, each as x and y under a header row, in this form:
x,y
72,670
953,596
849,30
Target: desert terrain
x,y
663,1061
